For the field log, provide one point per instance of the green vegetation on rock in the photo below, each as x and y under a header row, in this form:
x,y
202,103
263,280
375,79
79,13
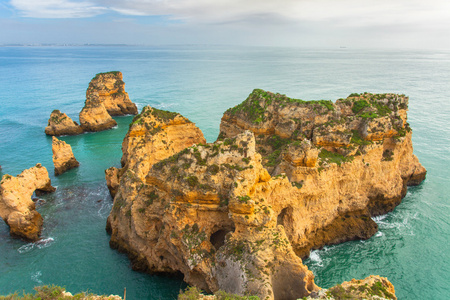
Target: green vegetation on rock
x,y
53,292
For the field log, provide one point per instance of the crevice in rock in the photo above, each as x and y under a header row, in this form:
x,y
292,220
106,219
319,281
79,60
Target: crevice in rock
x,y
217,239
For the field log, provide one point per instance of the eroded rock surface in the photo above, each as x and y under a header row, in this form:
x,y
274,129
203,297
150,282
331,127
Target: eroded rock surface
x,y
370,288
110,90
60,124
285,176
16,207
350,160
63,157
94,116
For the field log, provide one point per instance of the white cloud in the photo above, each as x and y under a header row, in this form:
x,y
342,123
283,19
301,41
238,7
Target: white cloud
x,y
57,9
374,11
281,22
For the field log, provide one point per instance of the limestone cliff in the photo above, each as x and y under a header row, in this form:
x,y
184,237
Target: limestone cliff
x,y
63,157
153,135
370,288
284,177
110,89
93,116
205,211
16,207
349,160
60,124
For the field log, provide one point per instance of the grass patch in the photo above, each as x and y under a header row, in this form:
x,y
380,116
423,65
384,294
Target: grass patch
x,y
333,157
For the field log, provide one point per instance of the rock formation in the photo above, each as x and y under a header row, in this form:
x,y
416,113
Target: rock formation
x,y
60,124
370,288
105,97
285,176
16,207
93,116
350,160
111,92
63,157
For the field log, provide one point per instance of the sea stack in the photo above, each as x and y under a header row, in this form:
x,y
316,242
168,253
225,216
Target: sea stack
x,y
16,207
93,116
63,157
105,97
60,124
111,92
285,176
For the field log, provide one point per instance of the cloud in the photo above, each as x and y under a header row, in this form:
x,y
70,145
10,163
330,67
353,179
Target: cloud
x,y
268,22
57,9
237,10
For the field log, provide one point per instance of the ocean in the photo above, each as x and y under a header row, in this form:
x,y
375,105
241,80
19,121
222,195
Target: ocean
x,y
412,247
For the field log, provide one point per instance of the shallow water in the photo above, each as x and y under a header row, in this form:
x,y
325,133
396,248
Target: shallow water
x,y
411,249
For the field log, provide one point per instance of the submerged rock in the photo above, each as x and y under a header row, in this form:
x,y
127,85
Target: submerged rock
x,y
63,157
285,176
16,207
93,116
110,89
60,124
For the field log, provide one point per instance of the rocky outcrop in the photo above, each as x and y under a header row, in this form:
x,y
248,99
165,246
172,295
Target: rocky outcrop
x,y
105,97
110,90
16,207
63,157
370,288
285,176
112,180
206,212
60,124
93,116
350,160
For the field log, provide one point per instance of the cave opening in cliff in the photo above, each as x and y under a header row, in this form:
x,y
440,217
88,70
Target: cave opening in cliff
x,y
285,218
217,239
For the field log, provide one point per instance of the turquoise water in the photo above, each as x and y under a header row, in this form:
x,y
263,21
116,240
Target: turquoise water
x,y
412,247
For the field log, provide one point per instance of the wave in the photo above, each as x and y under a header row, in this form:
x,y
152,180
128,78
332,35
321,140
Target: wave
x,y
42,243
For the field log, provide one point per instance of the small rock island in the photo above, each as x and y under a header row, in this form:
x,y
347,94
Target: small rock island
x,y
16,207
105,97
285,176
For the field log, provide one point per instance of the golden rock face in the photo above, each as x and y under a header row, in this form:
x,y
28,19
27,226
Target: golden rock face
x,y
60,124
110,90
105,97
16,207
63,157
285,176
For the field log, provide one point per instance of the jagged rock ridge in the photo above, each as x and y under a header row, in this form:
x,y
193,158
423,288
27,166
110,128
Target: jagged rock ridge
x,y
352,158
229,218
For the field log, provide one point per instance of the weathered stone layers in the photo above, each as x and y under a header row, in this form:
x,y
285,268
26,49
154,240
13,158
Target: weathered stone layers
x,y
63,157
16,207
205,212
110,90
238,214
60,124
350,160
370,288
105,97
93,116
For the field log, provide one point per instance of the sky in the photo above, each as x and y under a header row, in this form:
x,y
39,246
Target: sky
x,y
412,24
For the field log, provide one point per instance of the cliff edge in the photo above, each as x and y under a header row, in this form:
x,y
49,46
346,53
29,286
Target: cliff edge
x,y
285,176
353,159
